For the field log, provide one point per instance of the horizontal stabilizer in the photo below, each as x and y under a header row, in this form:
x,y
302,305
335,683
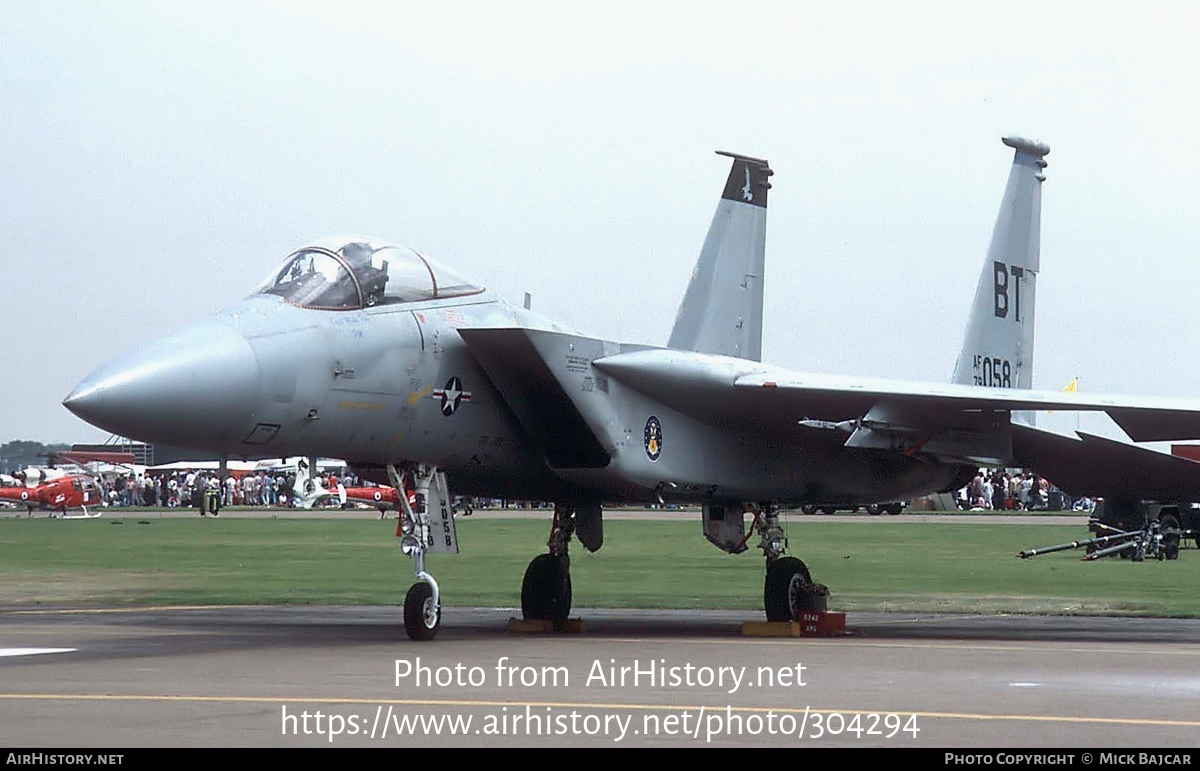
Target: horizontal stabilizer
x,y
1156,426
1093,465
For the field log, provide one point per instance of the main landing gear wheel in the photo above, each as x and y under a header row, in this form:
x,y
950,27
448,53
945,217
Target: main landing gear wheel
x,y
789,590
546,590
1169,527
422,617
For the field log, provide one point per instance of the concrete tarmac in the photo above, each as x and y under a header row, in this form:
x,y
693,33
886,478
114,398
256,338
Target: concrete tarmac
x,y
348,676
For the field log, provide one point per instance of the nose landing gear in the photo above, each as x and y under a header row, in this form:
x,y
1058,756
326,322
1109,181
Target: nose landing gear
x,y
426,524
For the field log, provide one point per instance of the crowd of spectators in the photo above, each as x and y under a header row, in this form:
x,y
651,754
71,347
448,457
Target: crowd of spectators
x,y
997,489
990,489
187,488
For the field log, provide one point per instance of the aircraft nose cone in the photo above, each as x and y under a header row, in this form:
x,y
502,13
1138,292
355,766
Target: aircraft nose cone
x,y
195,388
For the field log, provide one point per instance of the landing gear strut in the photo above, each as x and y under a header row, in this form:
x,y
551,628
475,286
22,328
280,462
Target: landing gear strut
x,y
427,525
788,589
546,589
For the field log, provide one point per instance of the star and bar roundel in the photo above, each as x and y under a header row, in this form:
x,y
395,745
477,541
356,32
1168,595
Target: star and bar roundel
x,y
451,396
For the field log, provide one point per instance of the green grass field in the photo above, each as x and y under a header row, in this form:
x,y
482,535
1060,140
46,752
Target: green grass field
x,y
868,563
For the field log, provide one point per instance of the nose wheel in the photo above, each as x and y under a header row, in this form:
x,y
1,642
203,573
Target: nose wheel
x,y
422,615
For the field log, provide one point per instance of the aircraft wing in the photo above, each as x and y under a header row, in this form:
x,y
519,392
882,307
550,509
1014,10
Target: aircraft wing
x,y
730,389
550,380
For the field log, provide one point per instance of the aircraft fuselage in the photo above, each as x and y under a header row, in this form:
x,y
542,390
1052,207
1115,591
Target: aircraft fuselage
x,y
393,383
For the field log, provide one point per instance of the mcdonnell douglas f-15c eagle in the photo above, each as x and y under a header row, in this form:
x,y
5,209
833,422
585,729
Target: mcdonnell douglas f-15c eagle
x,y
374,353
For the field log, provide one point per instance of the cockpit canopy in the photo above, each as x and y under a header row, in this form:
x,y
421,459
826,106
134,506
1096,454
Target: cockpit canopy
x,y
351,273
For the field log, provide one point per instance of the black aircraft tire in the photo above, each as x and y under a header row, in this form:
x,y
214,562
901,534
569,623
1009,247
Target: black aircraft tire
x,y
546,589
787,590
803,596
1169,526
875,509
421,619
775,587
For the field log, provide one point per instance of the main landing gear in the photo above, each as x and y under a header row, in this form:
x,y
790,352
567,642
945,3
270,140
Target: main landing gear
x,y
426,524
788,589
546,588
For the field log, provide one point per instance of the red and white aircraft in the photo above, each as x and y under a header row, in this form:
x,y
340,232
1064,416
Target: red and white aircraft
x,y
382,498
54,490
57,490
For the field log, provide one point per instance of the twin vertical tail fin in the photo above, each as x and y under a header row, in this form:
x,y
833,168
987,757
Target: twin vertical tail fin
x,y
997,349
722,310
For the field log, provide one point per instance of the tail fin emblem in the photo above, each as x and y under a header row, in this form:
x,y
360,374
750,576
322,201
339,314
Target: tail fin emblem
x,y
746,194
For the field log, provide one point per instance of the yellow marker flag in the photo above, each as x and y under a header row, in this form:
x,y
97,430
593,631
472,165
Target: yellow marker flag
x,y
1073,386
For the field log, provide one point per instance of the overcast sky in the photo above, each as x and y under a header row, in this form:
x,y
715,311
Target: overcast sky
x,y
158,159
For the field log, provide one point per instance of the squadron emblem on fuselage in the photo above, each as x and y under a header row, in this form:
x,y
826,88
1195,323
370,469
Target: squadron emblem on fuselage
x,y
652,438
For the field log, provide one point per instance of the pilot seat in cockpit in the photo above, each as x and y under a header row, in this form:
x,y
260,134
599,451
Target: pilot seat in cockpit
x,y
370,278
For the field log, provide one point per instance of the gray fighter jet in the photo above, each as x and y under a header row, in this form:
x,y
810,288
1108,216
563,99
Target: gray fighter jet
x,y
424,380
